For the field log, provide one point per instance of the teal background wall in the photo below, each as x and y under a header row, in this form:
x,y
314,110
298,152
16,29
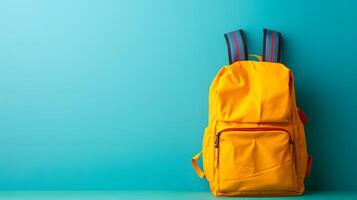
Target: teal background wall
x,y
113,94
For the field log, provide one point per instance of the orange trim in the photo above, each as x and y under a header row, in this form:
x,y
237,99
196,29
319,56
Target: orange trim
x,y
302,116
197,169
308,165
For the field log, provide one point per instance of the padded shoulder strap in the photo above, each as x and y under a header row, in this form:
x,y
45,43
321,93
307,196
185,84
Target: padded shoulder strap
x,y
236,44
271,46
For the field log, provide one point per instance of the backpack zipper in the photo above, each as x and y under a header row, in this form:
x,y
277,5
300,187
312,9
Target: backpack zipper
x,y
218,135
216,142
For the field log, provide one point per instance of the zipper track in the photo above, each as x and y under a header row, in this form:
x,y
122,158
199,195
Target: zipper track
x,y
218,135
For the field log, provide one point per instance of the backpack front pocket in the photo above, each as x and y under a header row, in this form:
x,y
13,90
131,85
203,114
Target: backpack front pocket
x,y
257,159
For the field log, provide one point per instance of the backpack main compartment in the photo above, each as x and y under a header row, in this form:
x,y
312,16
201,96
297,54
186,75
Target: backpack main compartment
x,y
254,144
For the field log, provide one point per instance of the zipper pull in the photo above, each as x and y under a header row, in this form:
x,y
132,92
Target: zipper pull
x,y
216,142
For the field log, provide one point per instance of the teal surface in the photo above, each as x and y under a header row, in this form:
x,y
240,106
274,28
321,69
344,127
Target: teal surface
x,y
157,195
107,95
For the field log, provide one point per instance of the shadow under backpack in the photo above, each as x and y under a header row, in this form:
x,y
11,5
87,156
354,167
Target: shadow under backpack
x,y
254,144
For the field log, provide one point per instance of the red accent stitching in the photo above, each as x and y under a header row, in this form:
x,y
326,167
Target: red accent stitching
x,y
272,47
237,46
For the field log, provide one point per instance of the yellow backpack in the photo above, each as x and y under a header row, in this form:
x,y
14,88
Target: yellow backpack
x,y
254,144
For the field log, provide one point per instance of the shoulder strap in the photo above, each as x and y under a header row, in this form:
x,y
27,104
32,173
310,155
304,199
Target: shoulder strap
x,y
271,46
236,44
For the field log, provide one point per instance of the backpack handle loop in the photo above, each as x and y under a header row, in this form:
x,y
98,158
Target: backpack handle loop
x,y
258,57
